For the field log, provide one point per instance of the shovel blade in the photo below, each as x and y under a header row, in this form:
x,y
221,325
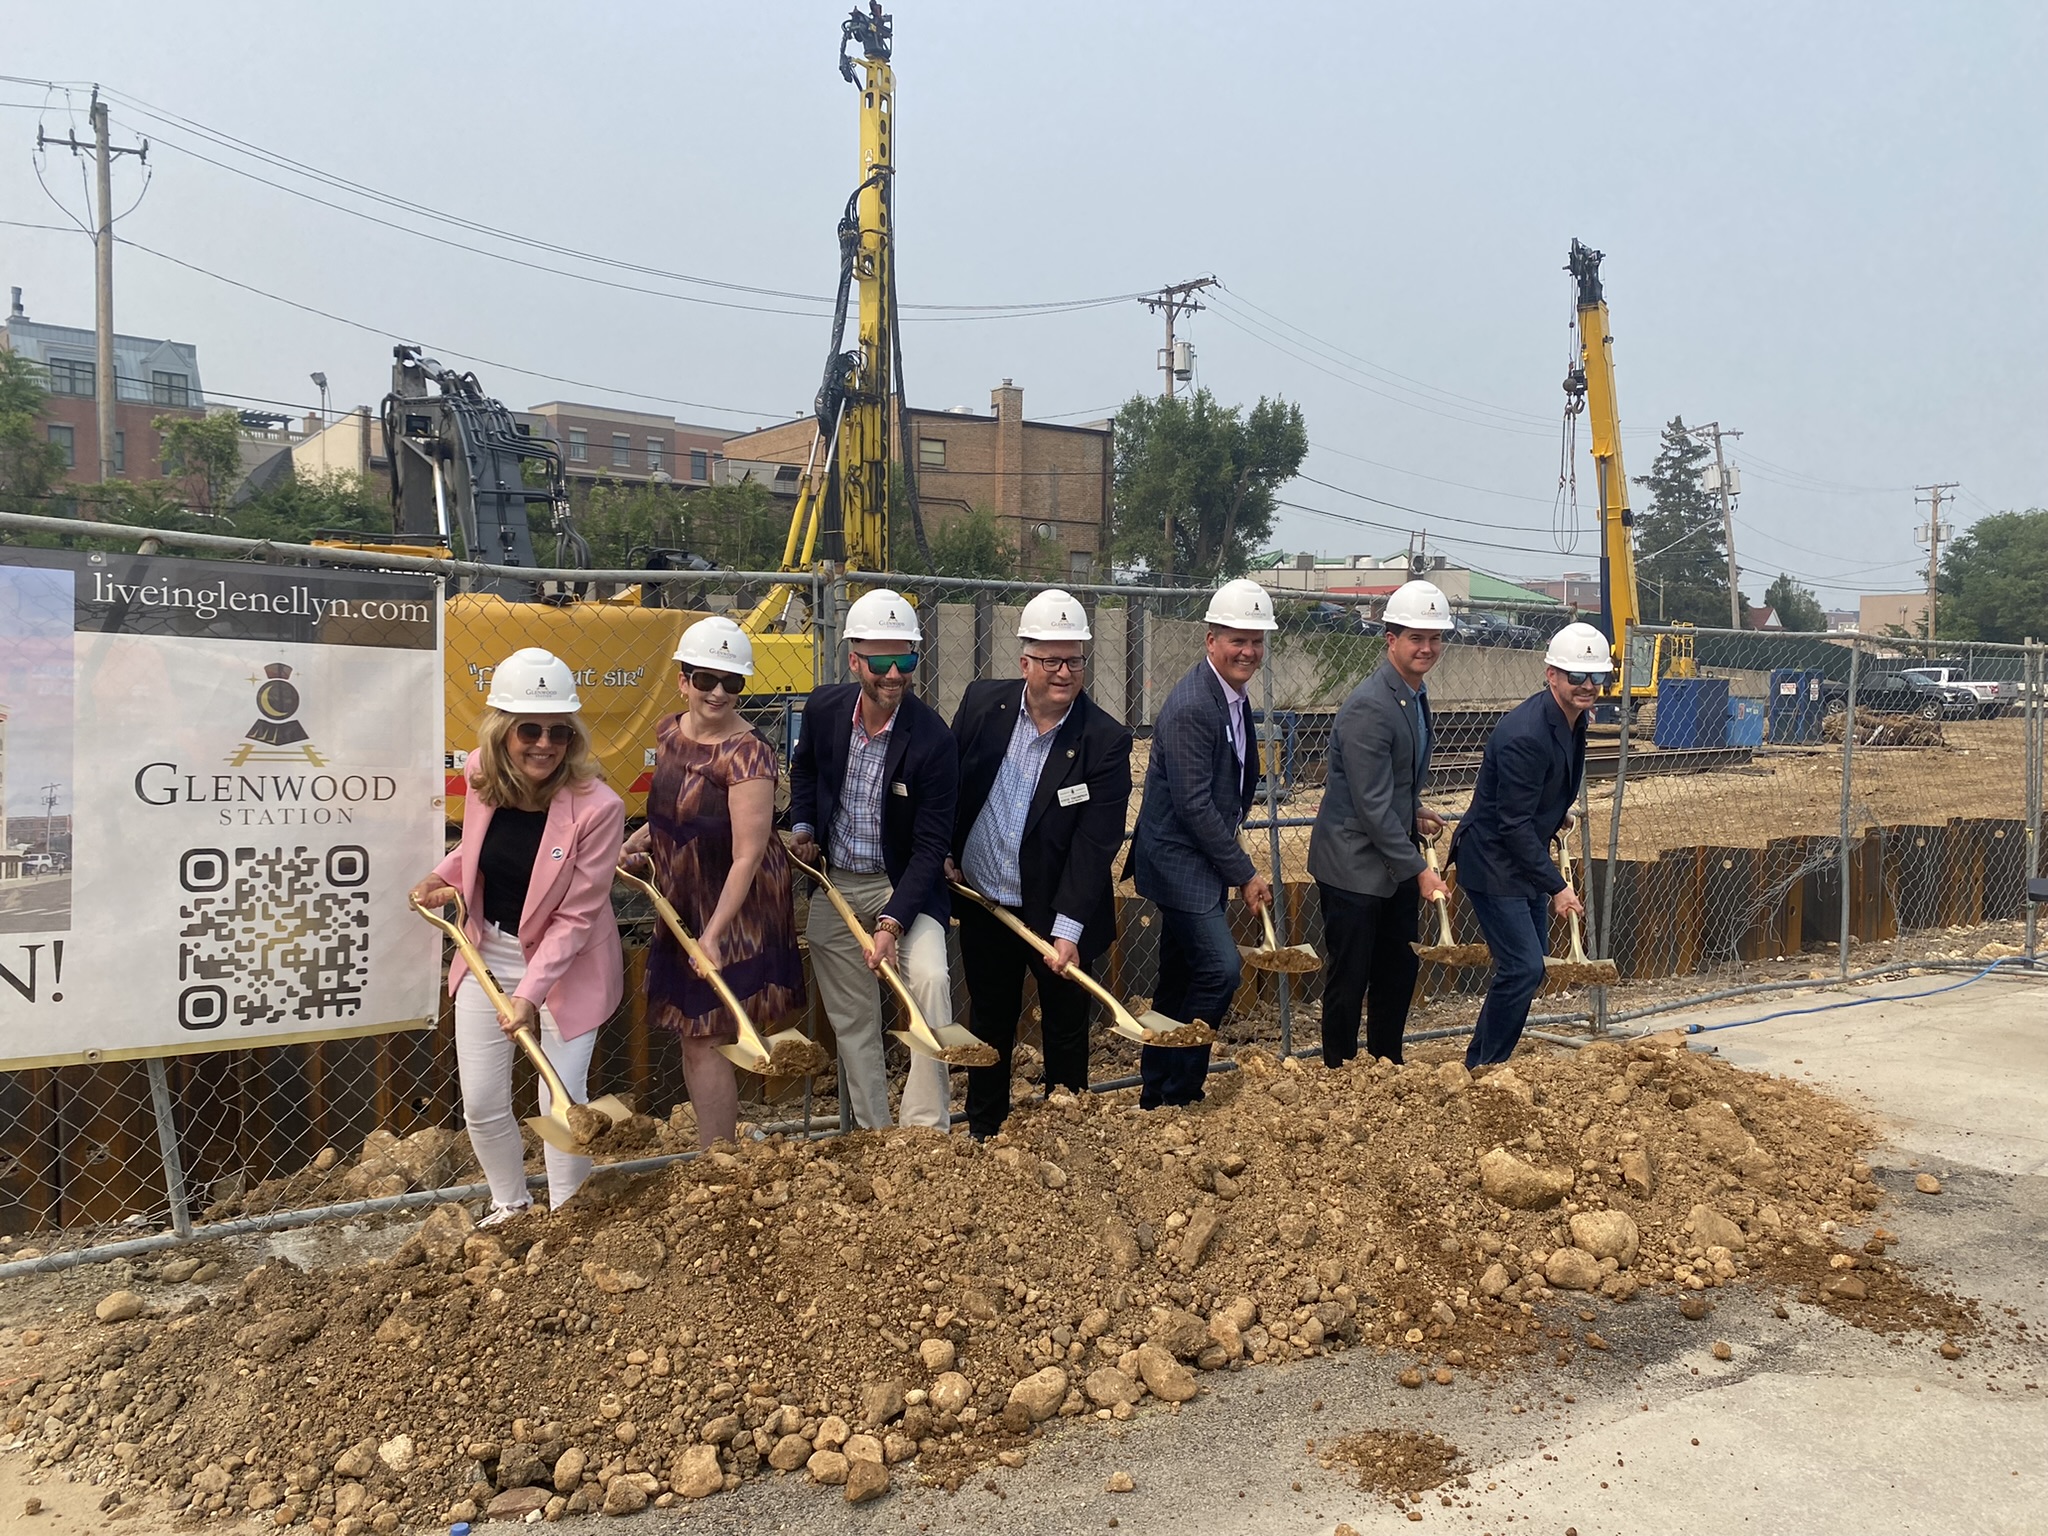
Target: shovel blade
x,y
745,1059
1290,960
792,1053
1176,1034
556,1133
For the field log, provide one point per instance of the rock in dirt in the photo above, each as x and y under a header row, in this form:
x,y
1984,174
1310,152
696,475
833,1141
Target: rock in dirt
x,y
1693,1308
1518,1185
1194,1246
397,1453
358,1461
1848,1287
881,1402
866,1480
1181,1334
1107,1386
697,1474
1636,1172
625,1496
1504,1080
1607,1235
789,1453
1120,1482
1164,1377
516,1503
1723,1350
1041,1393
119,1307
937,1355
950,1392
1453,1077
1495,1280
569,1470
1713,1229
1572,1269
1927,1184
828,1467
443,1233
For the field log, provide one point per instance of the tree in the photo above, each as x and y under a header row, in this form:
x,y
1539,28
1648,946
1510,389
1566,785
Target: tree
x,y
1681,556
740,526
970,544
299,506
1212,472
31,466
1994,579
1797,607
204,455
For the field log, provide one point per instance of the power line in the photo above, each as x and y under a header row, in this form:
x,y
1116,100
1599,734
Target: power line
x,y
1485,490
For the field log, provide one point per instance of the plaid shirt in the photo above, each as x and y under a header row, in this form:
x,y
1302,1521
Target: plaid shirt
x,y
990,859
857,830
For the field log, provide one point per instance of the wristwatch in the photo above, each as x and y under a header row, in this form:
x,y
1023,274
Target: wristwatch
x,y
887,924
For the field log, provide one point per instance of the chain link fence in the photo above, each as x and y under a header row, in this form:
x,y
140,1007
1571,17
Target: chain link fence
x,y
1765,797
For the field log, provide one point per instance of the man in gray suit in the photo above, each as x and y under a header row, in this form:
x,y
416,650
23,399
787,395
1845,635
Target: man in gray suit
x,y
1364,852
1185,855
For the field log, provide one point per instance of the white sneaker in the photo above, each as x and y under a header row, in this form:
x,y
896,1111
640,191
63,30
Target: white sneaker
x,y
500,1214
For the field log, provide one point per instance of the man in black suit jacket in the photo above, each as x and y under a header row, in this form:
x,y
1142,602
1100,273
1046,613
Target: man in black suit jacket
x,y
1045,779
872,784
1528,781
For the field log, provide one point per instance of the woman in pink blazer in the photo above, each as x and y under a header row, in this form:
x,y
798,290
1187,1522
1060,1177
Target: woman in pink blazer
x,y
540,838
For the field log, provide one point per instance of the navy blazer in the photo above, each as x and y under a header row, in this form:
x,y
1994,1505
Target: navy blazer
x,y
920,783
1185,853
1528,783
1067,860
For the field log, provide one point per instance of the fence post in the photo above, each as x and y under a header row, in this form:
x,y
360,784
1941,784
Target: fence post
x,y
2034,673
167,1143
1273,845
1848,769
1620,789
1596,934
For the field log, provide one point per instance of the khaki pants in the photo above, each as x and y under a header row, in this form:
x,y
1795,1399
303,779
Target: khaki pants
x,y
853,1002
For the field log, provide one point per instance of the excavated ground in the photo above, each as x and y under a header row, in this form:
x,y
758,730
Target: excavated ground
x,y
899,1305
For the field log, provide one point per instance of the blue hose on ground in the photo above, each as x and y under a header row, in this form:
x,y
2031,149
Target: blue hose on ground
x,y
1857,1002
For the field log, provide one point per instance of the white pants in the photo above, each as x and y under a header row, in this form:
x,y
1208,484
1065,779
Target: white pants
x,y
853,1002
483,1059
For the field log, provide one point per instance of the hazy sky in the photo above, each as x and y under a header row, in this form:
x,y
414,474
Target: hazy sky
x,y
1823,226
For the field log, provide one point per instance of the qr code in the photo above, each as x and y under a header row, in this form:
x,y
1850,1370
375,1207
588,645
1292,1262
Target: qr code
x,y
271,934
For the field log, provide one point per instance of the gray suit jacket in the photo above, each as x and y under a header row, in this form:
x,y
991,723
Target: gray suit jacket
x,y
1364,837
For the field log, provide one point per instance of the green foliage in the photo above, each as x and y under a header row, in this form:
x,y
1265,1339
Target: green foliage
x,y
31,466
300,506
1994,579
967,544
741,527
1215,470
203,454
1798,608
1681,556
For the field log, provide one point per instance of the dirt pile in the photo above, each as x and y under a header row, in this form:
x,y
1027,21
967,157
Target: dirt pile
x,y
902,1304
1398,1464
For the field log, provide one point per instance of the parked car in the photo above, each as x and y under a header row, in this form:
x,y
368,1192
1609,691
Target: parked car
x,y
1480,628
1993,698
1914,691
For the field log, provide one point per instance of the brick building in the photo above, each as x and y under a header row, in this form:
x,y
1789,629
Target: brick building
x,y
151,378
1047,484
629,446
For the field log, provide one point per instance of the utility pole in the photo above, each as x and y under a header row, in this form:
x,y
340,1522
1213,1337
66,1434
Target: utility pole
x,y
1932,536
103,154
1175,300
1714,430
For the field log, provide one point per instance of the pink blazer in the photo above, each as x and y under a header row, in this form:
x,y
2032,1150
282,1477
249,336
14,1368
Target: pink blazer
x,y
575,966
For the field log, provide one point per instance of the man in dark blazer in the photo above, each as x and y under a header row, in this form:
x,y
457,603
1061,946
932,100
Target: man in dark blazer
x,y
1528,783
1185,854
872,785
1363,852
1045,780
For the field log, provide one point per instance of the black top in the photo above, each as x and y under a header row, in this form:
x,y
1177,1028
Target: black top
x,y
1528,780
505,864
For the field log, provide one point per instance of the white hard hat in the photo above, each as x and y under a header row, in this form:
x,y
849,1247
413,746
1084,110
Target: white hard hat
x,y
882,615
1241,604
533,682
1054,615
717,643
1419,605
1579,648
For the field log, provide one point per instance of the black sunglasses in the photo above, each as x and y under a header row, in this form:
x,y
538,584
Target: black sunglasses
x,y
530,732
706,682
1580,679
880,665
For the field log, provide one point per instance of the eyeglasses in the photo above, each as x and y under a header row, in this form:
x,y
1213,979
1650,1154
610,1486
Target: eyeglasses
x,y
1075,664
530,732
1582,679
707,682
905,664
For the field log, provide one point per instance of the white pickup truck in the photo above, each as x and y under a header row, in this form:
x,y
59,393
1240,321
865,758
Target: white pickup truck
x,y
1993,698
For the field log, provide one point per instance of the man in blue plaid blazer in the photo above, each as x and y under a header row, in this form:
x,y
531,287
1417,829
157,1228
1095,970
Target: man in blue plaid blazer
x,y
1185,853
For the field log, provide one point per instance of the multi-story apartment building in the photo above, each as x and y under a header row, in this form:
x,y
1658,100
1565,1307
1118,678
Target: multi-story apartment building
x,y
599,442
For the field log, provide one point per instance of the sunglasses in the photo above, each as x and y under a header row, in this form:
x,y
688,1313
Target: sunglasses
x,y
1059,663
530,732
708,682
881,666
1581,679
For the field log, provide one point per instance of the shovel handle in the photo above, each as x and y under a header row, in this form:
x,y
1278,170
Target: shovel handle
x,y
1441,898
1266,917
918,1026
1074,973
494,993
1564,849
749,1036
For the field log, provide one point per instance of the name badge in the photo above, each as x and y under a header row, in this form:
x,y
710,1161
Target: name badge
x,y
900,788
1073,794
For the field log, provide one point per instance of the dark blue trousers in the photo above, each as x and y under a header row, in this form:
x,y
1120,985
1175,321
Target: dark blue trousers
x,y
1199,971
1517,930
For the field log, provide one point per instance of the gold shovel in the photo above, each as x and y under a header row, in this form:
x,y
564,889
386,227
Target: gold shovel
x,y
950,1043
567,1126
786,1053
1575,970
1293,960
1148,1028
1447,950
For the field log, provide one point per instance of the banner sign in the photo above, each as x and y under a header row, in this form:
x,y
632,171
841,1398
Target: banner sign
x,y
217,783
